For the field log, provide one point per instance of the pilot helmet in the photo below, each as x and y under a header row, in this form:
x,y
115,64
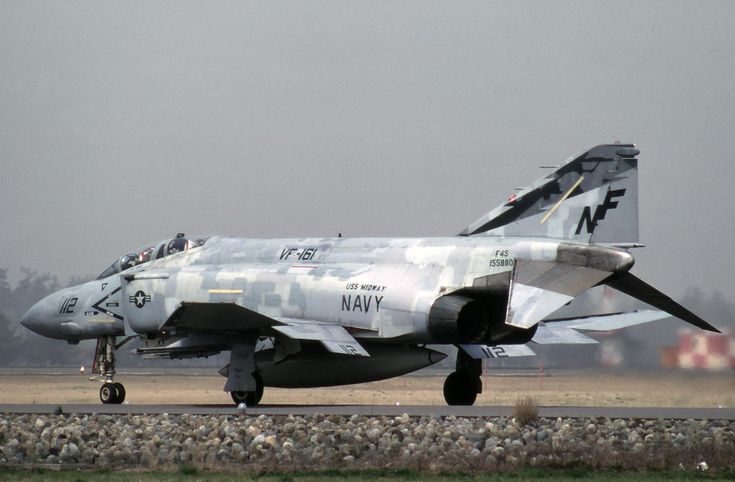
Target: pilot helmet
x,y
176,245
128,261
145,256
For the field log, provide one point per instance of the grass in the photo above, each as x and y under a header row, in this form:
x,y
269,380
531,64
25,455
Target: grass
x,y
525,410
192,475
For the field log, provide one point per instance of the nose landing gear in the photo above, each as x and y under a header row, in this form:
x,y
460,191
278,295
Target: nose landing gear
x,y
111,392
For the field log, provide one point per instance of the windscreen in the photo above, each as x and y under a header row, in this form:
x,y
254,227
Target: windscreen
x,y
163,248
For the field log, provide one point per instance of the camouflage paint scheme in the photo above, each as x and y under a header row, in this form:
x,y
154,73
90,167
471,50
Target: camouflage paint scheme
x,y
324,311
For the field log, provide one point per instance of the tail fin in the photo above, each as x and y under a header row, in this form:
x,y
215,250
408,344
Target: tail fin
x,y
591,198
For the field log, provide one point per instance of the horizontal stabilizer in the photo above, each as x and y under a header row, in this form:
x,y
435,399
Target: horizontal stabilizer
x,y
497,351
334,337
633,286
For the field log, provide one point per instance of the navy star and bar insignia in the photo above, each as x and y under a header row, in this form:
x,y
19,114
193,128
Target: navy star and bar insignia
x,y
139,299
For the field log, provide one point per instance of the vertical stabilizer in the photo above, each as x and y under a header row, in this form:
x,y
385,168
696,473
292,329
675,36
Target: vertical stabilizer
x,y
590,198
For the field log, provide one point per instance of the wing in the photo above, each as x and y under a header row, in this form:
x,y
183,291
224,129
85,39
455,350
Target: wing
x,y
564,330
334,337
218,318
226,318
613,321
497,351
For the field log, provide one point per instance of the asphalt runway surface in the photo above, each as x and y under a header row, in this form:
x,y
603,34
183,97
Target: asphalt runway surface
x,y
377,410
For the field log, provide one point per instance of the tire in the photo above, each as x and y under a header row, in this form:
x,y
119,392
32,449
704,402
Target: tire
x,y
108,393
120,392
461,389
259,388
251,399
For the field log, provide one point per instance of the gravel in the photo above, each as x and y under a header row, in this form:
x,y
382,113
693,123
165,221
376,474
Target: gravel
x,y
282,443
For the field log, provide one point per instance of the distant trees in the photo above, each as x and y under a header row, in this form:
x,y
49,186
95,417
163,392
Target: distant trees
x,y
712,306
18,346
32,287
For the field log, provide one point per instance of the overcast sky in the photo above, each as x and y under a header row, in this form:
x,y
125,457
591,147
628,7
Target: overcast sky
x,y
122,123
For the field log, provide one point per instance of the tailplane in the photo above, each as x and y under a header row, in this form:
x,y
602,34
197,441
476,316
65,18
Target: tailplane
x,y
590,198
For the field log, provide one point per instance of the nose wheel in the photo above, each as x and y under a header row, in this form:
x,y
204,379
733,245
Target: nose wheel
x,y
113,393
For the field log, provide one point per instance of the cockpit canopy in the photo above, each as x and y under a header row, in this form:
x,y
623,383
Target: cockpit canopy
x,y
159,250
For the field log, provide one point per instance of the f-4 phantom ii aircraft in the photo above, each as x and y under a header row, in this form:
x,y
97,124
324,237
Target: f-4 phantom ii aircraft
x,y
325,312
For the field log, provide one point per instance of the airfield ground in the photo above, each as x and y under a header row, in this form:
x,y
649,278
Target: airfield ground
x,y
564,388
255,443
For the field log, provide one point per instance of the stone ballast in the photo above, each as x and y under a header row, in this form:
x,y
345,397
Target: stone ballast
x,y
282,443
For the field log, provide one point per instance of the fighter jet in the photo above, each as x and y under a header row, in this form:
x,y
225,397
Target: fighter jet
x,y
329,311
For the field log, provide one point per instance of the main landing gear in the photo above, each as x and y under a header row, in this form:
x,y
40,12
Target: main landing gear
x,y
244,384
462,386
104,363
250,399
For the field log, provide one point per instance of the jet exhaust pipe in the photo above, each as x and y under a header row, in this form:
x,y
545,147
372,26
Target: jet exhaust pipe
x,y
459,319
478,319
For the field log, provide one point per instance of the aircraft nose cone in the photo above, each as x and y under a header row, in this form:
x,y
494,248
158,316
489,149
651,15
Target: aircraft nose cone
x,y
32,320
40,319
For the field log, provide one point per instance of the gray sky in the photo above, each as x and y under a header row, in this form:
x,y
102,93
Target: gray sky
x,y
122,123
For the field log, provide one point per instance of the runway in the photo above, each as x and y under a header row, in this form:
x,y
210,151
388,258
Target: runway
x,y
378,410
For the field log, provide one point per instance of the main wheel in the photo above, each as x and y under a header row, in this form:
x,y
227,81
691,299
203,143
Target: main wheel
x,y
461,388
251,399
120,392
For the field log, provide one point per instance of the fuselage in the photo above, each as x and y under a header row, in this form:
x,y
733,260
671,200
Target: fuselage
x,y
381,288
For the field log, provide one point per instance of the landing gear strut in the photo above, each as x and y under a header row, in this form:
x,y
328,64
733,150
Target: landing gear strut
x,y
462,386
244,384
110,391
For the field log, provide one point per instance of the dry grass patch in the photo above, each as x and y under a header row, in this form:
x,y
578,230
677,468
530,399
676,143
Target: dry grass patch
x,y
525,410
